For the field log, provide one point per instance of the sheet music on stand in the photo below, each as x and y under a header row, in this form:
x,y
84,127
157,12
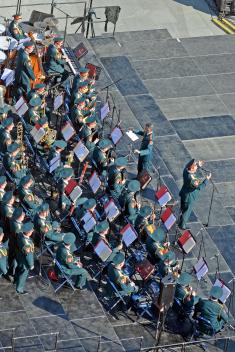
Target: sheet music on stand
x,y
111,210
128,235
68,131
73,191
81,151
37,133
21,107
89,221
133,137
104,111
8,76
58,101
226,290
54,163
116,135
200,268
103,250
94,182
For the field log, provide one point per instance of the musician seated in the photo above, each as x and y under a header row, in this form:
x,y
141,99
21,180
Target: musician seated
x,y
16,29
85,205
168,265
39,91
55,61
77,113
100,232
7,206
65,174
144,218
117,177
83,75
3,255
156,245
32,115
132,201
117,276
100,155
12,162
212,309
56,150
3,184
54,235
80,92
27,195
5,134
90,128
42,220
185,294
4,111
47,140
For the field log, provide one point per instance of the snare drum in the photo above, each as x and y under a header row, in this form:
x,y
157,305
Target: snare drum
x,y
2,56
2,28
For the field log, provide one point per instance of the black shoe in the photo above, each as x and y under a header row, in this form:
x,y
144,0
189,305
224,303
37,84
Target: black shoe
x,y
22,293
8,278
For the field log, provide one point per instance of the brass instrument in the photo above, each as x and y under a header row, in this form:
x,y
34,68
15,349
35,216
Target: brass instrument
x,y
49,138
19,139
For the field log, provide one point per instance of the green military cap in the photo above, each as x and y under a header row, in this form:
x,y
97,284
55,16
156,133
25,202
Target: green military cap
x,y
39,86
55,225
17,212
118,258
145,211
82,84
104,143
7,122
7,196
169,256
80,100
89,203
3,179
216,292
158,235
121,161
83,70
28,226
11,148
58,39
37,101
60,144
133,186
69,238
28,44
66,172
44,207
90,119
102,226
81,200
185,279
4,109
26,179
43,120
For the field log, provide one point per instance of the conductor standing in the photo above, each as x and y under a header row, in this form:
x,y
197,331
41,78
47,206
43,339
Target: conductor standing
x,y
192,185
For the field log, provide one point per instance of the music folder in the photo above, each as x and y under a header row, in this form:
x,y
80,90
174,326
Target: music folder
x,y
163,196
21,107
73,191
94,182
81,151
133,137
226,290
168,219
186,241
111,210
103,250
54,163
8,76
88,221
200,268
116,135
37,133
104,111
58,101
128,235
68,131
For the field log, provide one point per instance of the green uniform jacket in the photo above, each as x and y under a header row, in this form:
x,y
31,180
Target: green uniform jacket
x,y
5,138
212,311
24,72
100,159
182,295
16,30
3,258
53,63
25,253
65,258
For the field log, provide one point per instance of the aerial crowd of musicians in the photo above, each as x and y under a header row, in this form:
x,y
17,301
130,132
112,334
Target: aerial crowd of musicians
x,y
27,219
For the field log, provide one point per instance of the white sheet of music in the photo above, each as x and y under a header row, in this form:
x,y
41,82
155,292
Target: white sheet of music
x,y
116,135
226,290
54,163
170,222
68,131
8,76
81,151
201,268
58,101
164,199
89,222
94,182
75,194
104,111
132,136
37,134
129,236
103,250
19,102
111,210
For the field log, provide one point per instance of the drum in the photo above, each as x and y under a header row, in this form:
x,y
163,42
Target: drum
x,y
2,56
2,28
7,43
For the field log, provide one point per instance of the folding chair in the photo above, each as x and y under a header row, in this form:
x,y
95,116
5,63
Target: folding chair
x,y
204,326
62,275
120,295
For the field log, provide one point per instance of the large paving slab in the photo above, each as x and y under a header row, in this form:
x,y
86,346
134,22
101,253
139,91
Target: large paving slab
x,y
209,45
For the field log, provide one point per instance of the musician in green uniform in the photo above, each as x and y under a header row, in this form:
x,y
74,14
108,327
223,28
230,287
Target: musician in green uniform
x,y
25,256
156,245
16,29
81,91
3,255
4,111
100,155
100,232
85,205
66,175
3,184
42,219
185,294
146,148
190,190
132,201
32,115
5,134
83,75
118,277
56,150
144,218
212,310
24,72
117,177
7,205
54,235
168,264
27,194
69,263
39,91
77,113
12,162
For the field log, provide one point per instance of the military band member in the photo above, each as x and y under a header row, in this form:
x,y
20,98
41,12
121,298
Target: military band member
x,y
168,264
70,264
65,176
144,218
27,194
190,190
25,256
12,162
88,205
132,201
3,184
101,232
4,110
77,115
117,177
56,150
100,155
212,310
83,75
146,148
117,276
32,116
5,134
81,91
54,235
156,245
16,221
42,220
185,294
24,72
7,205
3,255
16,29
